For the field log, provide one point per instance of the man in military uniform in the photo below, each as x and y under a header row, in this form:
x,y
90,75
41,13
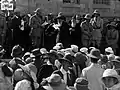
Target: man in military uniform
x,y
97,24
86,29
37,30
3,28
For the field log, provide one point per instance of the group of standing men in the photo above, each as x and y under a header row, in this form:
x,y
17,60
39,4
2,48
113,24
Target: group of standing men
x,y
38,31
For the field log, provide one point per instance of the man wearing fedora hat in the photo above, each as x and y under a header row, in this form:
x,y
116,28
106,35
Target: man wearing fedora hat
x,y
93,73
97,24
66,71
35,23
17,54
86,28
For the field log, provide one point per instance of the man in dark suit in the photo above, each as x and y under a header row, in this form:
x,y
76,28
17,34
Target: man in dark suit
x,y
16,22
66,72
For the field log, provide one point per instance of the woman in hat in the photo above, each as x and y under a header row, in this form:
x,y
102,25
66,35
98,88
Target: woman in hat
x,y
63,35
112,37
97,24
86,29
111,79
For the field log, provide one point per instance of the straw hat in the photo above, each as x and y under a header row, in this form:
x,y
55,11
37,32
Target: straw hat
x,y
109,50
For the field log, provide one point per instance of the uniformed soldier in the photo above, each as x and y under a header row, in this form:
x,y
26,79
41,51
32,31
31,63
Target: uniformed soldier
x,y
3,28
35,23
112,36
97,24
86,29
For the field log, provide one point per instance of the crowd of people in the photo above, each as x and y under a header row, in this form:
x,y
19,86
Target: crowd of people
x,y
40,52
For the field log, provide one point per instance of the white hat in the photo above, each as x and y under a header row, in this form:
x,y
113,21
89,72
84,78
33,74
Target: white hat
x,y
110,50
84,50
43,50
59,44
110,73
74,48
56,47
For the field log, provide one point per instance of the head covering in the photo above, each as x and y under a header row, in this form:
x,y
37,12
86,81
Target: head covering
x,y
43,51
18,75
104,59
110,73
37,10
111,57
109,50
80,58
68,56
56,47
87,16
74,48
36,52
96,12
64,60
26,55
95,53
17,50
55,81
84,50
69,50
59,44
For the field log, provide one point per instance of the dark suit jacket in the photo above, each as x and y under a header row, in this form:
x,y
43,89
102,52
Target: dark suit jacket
x,y
64,35
44,72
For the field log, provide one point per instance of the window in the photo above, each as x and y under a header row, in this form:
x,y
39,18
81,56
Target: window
x,y
66,1
107,2
72,1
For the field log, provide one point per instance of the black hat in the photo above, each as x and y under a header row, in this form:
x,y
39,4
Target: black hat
x,y
17,50
64,60
95,53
